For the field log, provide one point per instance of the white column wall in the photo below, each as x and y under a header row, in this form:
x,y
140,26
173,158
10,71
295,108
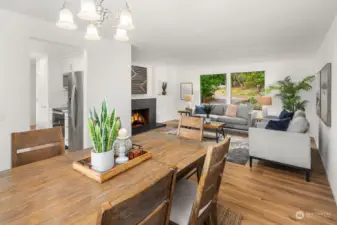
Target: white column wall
x,y
107,73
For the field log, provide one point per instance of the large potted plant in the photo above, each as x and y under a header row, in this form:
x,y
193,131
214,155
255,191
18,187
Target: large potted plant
x,y
103,132
208,109
289,92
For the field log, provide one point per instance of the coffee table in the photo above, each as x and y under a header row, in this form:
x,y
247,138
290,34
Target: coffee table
x,y
218,127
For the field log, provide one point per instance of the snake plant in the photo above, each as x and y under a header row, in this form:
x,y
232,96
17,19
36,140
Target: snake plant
x,y
103,129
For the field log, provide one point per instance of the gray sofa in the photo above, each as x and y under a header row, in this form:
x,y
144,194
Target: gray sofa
x,y
243,120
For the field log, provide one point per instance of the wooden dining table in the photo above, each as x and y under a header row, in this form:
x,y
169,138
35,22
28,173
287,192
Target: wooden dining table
x,y
174,151
51,192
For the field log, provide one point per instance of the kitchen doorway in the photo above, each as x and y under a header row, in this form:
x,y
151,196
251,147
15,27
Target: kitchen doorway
x,y
57,89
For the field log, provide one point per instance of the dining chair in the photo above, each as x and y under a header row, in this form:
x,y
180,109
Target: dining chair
x,y
147,206
35,145
191,128
197,203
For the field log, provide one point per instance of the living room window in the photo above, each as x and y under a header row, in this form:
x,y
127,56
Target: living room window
x,y
245,87
213,88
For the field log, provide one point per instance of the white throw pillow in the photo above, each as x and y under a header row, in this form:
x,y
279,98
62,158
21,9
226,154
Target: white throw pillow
x,y
299,125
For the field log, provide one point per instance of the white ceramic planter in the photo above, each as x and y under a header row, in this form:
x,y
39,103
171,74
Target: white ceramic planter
x,y
102,161
208,120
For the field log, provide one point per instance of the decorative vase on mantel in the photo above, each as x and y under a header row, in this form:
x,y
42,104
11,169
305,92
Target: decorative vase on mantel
x,y
103,133
164,87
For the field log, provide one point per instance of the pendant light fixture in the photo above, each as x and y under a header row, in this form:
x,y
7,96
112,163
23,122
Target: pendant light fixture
x,y
92,33
98,15
121,35
125,20
66,20
88,11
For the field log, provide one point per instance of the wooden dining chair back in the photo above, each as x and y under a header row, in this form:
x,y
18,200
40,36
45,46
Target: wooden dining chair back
x,y
209,184
148,206
36,145
191,128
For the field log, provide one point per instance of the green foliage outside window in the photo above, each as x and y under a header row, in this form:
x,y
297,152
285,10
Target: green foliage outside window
x,y
245,87
248,80
210,83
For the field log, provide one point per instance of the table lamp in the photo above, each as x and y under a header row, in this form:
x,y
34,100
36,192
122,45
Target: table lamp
x,y
188,99
265,101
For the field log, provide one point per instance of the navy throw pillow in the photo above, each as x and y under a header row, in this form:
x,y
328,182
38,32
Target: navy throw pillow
x,y
199,110
285,114
281,125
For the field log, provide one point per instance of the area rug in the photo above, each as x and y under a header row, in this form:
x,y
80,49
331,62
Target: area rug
x,y
227,216
238,149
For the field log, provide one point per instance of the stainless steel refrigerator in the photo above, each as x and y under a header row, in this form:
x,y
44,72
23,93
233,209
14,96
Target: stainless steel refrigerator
x,y
75,110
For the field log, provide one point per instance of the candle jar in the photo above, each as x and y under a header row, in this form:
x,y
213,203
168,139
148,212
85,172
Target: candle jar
x,y
126,142
122,156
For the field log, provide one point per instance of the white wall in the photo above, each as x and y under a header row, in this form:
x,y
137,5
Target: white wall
x,y
32,83
56,53
328,54
107,74
74,62
56,95
274,70
166,104
43,115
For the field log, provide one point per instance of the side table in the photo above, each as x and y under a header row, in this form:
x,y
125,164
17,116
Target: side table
x,y
185,111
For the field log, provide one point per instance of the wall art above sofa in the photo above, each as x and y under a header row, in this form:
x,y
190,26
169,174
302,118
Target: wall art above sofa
x,y
325,94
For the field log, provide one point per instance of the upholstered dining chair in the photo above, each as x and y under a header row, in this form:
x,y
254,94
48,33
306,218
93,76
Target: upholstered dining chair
x,y
191,128
36,145
194,204
149,206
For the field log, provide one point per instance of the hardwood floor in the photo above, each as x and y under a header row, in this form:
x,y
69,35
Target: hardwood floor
x,y
271,194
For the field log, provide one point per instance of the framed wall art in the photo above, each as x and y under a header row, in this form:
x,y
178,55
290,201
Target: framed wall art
x,y
138,80
186,89
325,95
318,94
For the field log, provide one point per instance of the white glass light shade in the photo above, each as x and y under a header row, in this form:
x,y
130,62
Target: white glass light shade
x,y
92,33
121,35
125,20
88,11
66,20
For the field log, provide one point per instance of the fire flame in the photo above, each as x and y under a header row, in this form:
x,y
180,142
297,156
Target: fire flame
x,y
137,117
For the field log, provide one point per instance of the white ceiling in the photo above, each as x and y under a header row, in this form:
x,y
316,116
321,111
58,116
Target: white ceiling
x,y
204,30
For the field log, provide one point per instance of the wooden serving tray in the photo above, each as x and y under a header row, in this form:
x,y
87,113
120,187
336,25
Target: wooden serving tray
x,y
83,166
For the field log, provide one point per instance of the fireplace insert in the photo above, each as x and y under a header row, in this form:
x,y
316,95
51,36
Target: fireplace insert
x,y
140,117
144,115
